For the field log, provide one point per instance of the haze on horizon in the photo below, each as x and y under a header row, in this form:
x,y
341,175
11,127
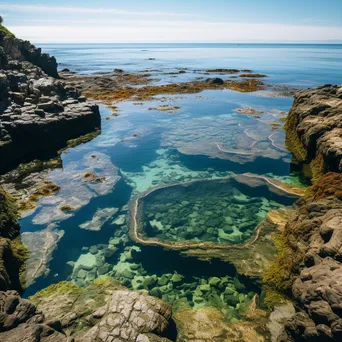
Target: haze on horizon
x,y
135,21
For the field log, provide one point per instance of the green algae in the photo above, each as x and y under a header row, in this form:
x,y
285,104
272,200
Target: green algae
x,y
62,287
83,139
317,167
6,31
293,142
9,227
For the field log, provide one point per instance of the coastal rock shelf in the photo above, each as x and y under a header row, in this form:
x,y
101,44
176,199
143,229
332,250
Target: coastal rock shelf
x,y
207,213
38,113
314,128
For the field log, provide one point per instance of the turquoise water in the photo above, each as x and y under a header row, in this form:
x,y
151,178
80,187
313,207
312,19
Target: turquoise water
x,y
143,148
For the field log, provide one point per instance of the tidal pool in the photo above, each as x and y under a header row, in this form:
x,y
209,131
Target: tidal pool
x,y
145,148
218,211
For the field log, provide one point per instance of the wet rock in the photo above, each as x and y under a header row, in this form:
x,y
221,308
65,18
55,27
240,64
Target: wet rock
x,y
41,245
93,250
209,324
217,81
100,217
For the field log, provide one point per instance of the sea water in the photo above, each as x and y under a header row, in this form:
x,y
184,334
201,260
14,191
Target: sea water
x,y
144,148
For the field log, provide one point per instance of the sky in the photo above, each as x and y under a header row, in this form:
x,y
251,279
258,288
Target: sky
x,y
182,21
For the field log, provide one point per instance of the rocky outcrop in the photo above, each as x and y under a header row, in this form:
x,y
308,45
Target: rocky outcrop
x,y
105,311
23,50
314,236
12,252
38,113
20,321
314,128
309,263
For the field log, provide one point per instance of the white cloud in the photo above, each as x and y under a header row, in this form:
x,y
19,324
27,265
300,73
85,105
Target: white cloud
x,y
81,10
176,31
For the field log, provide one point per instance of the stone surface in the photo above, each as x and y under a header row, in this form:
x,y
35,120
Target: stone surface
x,y
314,233
41,245
38,113
209,324
11,261
318,289
314,122
101,216
20,321
106,311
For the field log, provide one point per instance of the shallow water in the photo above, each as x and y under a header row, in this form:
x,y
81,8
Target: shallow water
x,y
304,65
144,148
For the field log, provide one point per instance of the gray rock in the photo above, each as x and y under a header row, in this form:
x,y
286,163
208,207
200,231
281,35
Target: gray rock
x,y
21,321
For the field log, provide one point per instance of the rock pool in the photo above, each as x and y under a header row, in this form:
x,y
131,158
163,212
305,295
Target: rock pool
x,y
187,160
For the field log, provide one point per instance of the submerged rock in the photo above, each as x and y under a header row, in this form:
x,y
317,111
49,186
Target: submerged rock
x,y
208,324
100,217
41,245
75,192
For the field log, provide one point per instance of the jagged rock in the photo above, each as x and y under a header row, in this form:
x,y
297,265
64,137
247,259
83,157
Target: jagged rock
x,y
314,126
216,80
314,233
106,311
38,113
10,262
21,50
20,321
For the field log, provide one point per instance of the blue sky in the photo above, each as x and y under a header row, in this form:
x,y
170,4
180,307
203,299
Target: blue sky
x,y
175,21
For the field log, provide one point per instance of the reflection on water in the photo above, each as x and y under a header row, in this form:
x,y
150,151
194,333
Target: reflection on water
x,y
144,148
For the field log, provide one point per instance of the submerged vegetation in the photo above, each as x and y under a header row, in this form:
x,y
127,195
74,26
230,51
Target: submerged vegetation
x,y
148,92
47,189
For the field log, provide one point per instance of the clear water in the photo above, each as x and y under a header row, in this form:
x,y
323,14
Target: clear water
x,y
142,148
304,65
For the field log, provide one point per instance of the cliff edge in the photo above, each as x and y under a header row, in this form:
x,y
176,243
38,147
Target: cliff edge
x,y
39,113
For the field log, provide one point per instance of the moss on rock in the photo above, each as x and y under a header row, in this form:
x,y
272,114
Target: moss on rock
x,y
64,287
4,30
9,227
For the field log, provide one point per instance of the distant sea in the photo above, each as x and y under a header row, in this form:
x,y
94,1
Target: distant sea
x,y
302,65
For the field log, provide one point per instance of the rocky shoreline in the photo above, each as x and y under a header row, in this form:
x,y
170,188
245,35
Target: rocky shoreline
x,y
308,266
39,112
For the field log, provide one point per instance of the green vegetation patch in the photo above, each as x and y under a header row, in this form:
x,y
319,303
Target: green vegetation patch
x,y
6,31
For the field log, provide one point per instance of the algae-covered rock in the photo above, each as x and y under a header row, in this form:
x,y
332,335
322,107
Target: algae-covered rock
x,y
104,309
9,227
313,128
12,252
209,324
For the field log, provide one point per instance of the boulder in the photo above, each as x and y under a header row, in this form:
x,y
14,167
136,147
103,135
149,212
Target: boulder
x,y
20,321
